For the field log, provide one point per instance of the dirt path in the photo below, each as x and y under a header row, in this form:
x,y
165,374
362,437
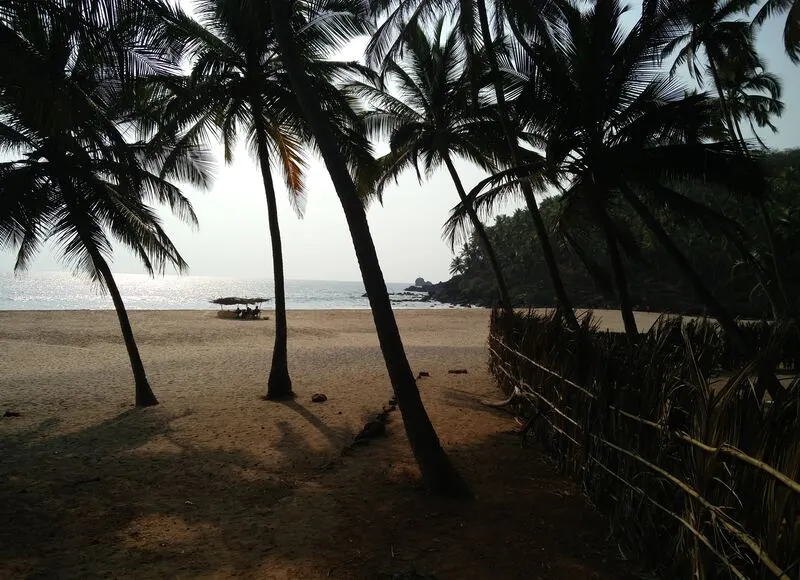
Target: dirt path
x,y
368,517
216,483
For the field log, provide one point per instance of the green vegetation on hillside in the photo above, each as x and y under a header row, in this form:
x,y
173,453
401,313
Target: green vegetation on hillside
x,y
655,282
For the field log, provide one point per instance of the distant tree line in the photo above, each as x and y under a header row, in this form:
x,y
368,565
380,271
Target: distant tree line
x,y
655,282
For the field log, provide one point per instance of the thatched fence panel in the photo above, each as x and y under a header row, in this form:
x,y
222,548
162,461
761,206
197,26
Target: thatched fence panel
x,y
697,476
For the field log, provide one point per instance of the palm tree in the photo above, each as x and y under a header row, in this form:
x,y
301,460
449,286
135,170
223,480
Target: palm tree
x,y
615,129
713,28
752,95
710,27
538,21
238,86
457,265
791,30
744,88
523,16
437,470
430,121
79,174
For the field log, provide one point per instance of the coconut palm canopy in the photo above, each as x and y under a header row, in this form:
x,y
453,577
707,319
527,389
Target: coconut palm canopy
x,y
231,300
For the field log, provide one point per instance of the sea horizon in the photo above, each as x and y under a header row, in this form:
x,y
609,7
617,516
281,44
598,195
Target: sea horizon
x,y
58,290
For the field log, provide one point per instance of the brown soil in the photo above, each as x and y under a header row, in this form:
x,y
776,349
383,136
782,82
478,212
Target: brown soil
x,y
217,483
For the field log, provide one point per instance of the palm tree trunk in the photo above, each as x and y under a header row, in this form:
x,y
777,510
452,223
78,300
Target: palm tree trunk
x,y
279,384
437,470
564,305
725,320
620,280
778,312
144,394
757,268
726,113
766,373
736,133
625,306
488,250
777,263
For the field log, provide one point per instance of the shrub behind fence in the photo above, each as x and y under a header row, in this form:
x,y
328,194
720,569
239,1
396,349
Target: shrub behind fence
x,y
698,476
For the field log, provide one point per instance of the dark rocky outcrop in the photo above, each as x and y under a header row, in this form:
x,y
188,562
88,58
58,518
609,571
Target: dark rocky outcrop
x,y
448,292
420,285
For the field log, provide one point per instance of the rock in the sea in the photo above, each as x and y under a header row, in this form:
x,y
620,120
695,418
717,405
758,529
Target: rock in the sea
x,y
319,398
420,285
12,414
457,371
423,374
447,292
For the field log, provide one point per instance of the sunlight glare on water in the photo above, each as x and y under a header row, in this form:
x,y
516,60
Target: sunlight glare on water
x,y
62,291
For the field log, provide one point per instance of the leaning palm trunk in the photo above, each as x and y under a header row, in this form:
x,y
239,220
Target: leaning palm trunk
x,y
144,394
778,312
725,320
564,305
480,231
767,379
769,228
437,470
620,281
279,384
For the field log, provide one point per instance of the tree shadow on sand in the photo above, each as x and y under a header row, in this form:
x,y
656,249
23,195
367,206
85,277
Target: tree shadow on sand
x,y
129,498
337,437
466,400
371,518
126,497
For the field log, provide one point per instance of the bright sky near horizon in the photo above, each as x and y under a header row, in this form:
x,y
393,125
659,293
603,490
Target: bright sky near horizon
x,y
233,238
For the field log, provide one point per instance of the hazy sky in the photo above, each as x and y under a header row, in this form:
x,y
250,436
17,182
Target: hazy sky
x,y
233,239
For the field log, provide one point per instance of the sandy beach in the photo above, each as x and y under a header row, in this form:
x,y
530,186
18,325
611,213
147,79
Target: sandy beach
x,y
217,483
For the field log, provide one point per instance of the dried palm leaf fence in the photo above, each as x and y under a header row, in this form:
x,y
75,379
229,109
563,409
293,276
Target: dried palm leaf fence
x,y
697,475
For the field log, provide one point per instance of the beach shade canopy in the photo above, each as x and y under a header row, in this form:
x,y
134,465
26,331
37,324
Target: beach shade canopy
x,y
232,300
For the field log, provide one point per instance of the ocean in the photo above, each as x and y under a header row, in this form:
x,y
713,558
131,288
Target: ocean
x,y
62,291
